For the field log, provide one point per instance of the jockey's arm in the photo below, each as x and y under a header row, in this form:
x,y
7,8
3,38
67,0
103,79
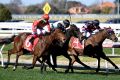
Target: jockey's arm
x,y
95,31
46,29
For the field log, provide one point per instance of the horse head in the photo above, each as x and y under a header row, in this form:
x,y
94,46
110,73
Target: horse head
x,y
111,34
74,31
59,36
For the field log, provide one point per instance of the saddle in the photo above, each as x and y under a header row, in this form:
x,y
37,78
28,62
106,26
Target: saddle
x,y
28,45
75,43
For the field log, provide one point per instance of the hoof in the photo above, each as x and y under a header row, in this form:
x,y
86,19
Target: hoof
x,y
14,68
5,67
97,70
54,70
66,71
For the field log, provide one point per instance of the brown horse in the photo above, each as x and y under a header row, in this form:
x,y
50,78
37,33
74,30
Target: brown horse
x,y
56,50
93,46
40,48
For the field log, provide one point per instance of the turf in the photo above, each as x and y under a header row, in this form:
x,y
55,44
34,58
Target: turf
x,y
34,74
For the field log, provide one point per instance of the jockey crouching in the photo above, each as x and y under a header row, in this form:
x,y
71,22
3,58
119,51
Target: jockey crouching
x,y
91,27
63,25
96,26
40,27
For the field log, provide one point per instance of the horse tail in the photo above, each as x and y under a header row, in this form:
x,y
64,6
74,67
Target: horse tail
x,y
8,40
12,38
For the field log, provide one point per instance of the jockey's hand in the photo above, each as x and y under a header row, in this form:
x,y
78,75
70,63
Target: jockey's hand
x,y
39,27
43,21
47,33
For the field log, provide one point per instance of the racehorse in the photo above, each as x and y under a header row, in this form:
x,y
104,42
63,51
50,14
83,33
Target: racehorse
x,y
40,48
93,46
56,50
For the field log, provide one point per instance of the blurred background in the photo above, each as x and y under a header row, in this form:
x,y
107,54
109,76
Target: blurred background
x,y
77,10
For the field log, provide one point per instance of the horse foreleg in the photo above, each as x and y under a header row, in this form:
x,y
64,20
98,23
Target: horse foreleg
x,y
48,62
42,66
54,63
38,59
33,63
106,58
17,57
98,68
54,57
16,63
70,63
79,61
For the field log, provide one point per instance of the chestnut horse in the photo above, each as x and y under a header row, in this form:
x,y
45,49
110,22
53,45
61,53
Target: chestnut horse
x,y
93,46
40,48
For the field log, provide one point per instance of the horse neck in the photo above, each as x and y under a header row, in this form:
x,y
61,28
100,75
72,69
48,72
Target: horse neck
x,y
49,38
67,41
101,36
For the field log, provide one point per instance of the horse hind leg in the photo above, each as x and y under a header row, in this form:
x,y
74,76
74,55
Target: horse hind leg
x,y
16,62
80,62
48,62
12,51
8,61
38,59
33,63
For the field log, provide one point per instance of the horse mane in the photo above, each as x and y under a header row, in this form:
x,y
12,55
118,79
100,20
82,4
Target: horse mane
x,y
103,30
71,30
99,31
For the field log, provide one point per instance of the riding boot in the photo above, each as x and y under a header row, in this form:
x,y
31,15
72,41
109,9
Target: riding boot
x,y
31,40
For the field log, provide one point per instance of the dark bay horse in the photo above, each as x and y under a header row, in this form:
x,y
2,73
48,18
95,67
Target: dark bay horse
x,y
93,46
40,48
57,50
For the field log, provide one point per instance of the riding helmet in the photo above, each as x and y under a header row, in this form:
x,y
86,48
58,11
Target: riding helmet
x,y
89,23
96,22
45,16
66,23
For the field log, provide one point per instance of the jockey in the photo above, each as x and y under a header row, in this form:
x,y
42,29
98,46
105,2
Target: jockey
x,y
61,24
91,27
88,29
96,25
40,27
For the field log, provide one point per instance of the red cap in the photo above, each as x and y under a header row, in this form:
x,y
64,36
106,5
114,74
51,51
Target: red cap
x,y
45,16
